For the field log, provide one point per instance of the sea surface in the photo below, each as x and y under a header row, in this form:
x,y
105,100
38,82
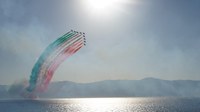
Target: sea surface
x,y
140,104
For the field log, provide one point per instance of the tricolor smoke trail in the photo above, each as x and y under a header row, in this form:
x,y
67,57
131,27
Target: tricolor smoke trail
x,y
52,57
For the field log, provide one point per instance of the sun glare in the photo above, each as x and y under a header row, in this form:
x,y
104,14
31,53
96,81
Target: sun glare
x,y
103,6
105,10
100,5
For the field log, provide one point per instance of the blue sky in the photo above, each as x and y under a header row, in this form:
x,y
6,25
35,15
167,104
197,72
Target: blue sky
x,y
127,39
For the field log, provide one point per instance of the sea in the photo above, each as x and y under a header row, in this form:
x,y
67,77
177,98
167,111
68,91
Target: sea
x,y
139,104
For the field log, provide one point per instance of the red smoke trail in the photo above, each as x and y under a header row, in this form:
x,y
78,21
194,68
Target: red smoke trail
x,y
65,54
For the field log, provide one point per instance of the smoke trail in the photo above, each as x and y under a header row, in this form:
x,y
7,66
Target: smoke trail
x,y
16,90
50,60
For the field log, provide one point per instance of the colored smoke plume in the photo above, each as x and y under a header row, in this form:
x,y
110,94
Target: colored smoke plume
x,y
17,88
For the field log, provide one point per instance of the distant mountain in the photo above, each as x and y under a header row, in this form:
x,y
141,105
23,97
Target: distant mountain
x,y
3,91
125,88
148,87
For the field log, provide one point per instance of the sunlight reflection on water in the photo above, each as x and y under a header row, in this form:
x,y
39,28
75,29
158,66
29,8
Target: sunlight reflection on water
x,y
99,104
128,105
161,104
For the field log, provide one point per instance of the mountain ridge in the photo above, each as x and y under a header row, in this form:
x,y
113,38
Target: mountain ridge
x,y
147,87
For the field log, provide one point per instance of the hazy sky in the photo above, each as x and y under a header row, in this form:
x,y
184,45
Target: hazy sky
x,y
126,39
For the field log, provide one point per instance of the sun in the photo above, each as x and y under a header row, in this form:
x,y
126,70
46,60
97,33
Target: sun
x,y
104,10
102,6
